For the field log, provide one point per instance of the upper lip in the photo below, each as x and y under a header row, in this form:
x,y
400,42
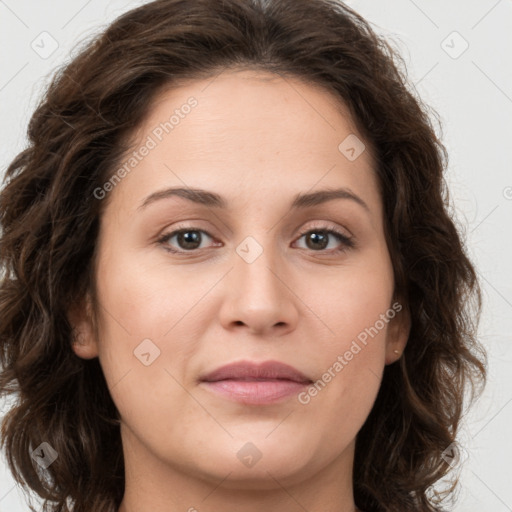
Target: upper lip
x,y
247,370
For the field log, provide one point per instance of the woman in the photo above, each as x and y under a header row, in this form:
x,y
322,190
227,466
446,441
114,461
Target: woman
x,y
231,279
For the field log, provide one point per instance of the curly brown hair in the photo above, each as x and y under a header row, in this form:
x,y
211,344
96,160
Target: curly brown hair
x,y
50,222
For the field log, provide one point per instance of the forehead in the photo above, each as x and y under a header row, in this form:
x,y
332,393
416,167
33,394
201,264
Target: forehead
x,y
240,132
259,109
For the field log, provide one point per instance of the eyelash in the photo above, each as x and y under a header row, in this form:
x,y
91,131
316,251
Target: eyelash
x,y
346,242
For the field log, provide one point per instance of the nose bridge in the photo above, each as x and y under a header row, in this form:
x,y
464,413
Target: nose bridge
x,y
255,266
256,294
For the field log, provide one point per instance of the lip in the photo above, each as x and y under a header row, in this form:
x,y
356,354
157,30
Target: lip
x,y
248,370
253,383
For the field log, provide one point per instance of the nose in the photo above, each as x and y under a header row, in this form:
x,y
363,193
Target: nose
x,y
259,295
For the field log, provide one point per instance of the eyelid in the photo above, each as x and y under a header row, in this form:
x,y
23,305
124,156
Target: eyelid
x,y
323,225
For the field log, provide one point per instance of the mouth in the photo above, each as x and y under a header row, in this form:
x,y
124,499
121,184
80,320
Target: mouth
x,y
257,384
255,392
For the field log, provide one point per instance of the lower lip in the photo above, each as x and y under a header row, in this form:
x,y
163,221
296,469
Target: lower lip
x,y
256,392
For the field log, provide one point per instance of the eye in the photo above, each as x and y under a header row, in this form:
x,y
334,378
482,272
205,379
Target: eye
x,y
190,239
318,238
187,239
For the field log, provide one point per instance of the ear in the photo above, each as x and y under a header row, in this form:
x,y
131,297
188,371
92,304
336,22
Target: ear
x,y
398,331
84,342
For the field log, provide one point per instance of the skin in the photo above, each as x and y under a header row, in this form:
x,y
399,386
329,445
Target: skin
x,y
257,140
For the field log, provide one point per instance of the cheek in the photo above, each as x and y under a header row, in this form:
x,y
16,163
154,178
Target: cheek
x,y
352,300
144,300
355,309
140,312
351,352
344,391
154,314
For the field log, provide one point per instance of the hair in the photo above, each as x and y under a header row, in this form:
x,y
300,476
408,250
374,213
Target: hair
x,y
49,216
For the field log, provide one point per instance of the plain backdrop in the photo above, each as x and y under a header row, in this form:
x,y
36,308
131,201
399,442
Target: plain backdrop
x,y
458,56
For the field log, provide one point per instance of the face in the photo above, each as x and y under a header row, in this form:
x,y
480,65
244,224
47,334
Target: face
x,y
250,270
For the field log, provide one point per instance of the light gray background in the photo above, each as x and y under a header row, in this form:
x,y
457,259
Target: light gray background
x,y
471,91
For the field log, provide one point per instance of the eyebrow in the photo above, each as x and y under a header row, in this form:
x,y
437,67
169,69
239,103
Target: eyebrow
x,y
213,200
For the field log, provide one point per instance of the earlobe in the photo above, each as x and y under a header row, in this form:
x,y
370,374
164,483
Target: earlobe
x,y
83,341
398,332
84,348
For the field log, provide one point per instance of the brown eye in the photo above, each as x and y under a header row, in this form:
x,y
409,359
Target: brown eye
x,y
318,239
187,239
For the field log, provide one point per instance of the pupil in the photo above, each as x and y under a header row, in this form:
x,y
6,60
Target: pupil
x,y
321,237
188,239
